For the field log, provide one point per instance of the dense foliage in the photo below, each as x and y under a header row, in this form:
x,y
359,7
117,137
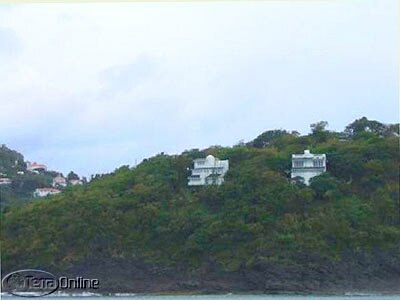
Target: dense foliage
x,y
258,215
13,167
10,161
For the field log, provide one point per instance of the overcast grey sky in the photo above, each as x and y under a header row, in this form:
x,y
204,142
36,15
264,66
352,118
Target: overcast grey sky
x,y
90,87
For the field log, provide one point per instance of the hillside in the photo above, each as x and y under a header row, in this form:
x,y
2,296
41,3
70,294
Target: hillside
x,y
143,229
21,180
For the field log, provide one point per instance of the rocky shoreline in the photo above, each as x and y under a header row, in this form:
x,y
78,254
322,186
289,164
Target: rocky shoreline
x,y
376,274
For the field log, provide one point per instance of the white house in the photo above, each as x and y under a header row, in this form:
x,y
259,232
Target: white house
x,y
43,192
59,181
75,182
209,170
308,165
5,181
35,167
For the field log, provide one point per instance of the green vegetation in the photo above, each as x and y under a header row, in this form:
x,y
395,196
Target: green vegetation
x,y
23,182
12,166
257,216
11,161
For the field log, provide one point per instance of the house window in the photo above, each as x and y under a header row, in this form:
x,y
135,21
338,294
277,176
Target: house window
x,y
318,163
298,163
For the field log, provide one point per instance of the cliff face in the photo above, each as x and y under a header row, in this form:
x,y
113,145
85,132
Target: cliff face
x,y
353,273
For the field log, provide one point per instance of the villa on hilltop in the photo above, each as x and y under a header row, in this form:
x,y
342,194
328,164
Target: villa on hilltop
x,y
35,167
43,192
59,181
209,170
75,182
308,165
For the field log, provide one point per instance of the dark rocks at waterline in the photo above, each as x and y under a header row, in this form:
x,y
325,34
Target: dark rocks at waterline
x,y
379,272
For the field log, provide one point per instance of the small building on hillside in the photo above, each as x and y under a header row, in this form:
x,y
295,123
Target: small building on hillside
x,y
5,181
209,170
308,165
75,182
43,192
35,167
59,181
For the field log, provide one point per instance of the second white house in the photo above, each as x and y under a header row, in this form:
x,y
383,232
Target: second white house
x,y
308,165
209,170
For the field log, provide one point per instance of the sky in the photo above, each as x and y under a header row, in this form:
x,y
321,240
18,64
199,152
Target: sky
x,y
92,86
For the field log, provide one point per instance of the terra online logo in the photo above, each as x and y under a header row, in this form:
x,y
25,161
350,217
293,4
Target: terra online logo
x,y
38,283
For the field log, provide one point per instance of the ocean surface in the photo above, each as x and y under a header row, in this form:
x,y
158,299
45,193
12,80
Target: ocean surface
x,y
214,297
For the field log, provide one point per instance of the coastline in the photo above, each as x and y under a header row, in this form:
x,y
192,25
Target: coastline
x,y
199,293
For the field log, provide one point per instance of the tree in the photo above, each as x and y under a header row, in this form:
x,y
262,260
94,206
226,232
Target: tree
x,y
11,161
72,176
391,130
364,125
319,131
270,137
319,126
325,186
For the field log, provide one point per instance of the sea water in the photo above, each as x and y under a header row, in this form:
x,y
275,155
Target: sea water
x,y
349,296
